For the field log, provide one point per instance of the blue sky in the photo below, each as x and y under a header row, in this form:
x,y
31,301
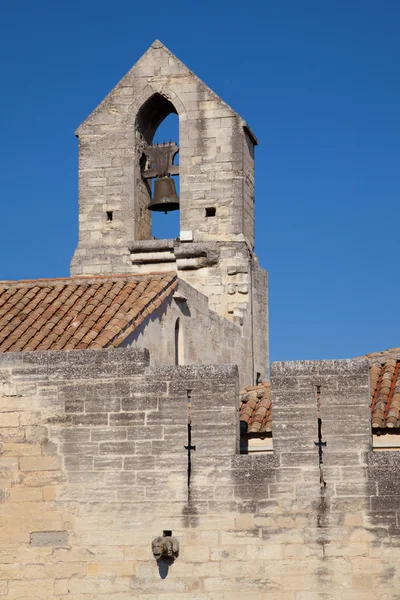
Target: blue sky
x,y
319,84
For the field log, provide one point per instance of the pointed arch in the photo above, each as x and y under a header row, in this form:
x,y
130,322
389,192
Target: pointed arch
x,y
150,108
152,113
168,100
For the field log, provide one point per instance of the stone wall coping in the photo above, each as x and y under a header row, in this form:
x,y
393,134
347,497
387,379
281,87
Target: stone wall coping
x,y
297,368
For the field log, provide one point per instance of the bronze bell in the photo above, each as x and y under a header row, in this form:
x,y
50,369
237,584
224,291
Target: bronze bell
x,y
165,197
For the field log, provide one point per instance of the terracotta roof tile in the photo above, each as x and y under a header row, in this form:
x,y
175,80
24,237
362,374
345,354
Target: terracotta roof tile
x,y
256,407
385,394
80,312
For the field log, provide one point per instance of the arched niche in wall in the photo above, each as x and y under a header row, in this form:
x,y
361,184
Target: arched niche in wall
x,y
179,350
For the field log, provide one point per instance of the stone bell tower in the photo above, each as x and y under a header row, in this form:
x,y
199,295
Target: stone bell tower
x,y
215,249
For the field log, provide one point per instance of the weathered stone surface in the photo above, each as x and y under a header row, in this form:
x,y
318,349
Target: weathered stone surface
x,y
81,520
52,539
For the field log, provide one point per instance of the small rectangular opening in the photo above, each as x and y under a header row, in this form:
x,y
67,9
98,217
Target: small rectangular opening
x,y
167,533
386,439
211,211
256,443
109,214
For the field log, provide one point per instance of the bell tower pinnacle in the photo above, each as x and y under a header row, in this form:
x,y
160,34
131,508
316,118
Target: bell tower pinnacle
x,y
118,162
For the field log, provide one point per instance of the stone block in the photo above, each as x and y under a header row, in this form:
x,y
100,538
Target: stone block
x,y
117,448
110,433
152,432
39,463
39,589
73,435
108,463
83,448
140,402
90,419
25,494
29,418
78,462
139,463
143,448
52,539
8,463
20,449
12,434
61,587
15,404
126,419
104,405
198,554
9,389
131,494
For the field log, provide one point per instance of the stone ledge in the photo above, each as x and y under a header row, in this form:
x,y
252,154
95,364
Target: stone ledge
x,y
151,245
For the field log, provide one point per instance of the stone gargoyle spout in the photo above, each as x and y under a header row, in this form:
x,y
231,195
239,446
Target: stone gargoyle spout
x,y
165,546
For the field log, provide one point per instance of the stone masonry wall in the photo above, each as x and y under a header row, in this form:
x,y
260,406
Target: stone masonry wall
x,y
341,514
232,280
226,343
237,289
94,467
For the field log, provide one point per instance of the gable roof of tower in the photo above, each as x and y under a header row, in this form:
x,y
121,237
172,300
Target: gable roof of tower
x,y
256,405
127,81
78,312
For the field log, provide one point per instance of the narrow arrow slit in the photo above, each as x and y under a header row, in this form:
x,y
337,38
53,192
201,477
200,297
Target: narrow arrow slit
x,y
189,446
320,443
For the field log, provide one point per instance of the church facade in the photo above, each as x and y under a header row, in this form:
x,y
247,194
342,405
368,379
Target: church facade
x,y
131,465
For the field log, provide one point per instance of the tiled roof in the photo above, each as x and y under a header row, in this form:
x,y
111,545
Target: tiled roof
x,y
77,312
385,388
256,406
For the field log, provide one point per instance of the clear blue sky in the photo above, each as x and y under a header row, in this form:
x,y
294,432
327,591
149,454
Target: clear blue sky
x,y
318,82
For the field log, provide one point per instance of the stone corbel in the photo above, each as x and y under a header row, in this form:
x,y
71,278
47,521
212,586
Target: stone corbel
x,y
196,256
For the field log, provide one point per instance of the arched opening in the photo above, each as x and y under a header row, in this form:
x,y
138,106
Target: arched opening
x,y
167,225
157,122
177,341
179,347
152,113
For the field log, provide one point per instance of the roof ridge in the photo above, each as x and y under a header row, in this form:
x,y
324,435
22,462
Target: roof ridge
x,y
143,313
42,282
383,355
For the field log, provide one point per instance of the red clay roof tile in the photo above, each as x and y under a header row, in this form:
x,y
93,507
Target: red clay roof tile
x,y
256,406
385,396
80,312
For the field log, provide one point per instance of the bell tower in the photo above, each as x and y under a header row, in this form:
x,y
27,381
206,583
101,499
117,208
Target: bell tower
x,y
118,162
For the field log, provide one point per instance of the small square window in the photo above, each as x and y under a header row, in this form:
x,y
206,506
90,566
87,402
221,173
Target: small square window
x,y
211,211
167,533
